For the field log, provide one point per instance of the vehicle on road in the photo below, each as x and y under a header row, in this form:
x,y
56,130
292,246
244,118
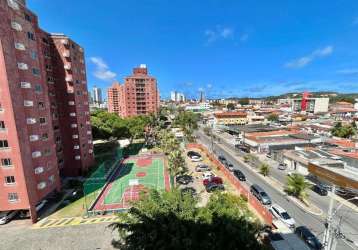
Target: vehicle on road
x,y
282,166
184,179
193,153
242,148
308,237
268,155
202,168
222,159
239,175
282,215
7,216
211,187
207,175
260,194
320,189
195,158
229,166
214,179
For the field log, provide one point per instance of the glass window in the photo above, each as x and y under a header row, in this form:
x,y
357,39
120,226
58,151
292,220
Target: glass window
x,y
10,180
6,162
12,197
4,144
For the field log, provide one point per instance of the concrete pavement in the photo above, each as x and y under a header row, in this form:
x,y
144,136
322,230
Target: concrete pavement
x,y
302,217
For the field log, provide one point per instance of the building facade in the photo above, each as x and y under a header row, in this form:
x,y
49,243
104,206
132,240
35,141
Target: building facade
x,y
313,105
230,118
138,95
35,114
177,96
97,95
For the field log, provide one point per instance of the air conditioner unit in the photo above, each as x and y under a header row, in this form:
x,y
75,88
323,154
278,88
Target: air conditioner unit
x,y
25,85
12,4
41,185
20,46
16,26
34,137
39,170
28,103
22,66
30,120
36,154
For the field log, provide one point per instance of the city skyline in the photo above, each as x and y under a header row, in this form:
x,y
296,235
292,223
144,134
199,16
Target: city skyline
x,y
307,47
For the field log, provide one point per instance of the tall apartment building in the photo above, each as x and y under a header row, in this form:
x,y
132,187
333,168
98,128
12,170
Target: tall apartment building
x,y
97,95
44,118
138,95
177,96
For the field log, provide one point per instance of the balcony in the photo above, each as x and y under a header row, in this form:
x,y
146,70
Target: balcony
x,y
76,147
39,170
67,66
74,136
73,114
71,103
90,151
69,78
36,154
20,46
28,103
66,54
16,26
41,185
64,42
74,125
34,138
13,5
77,157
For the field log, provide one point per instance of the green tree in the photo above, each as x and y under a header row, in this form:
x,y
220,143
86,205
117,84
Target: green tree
x,y
297,186
273,117
230,106
344,131
188,122
264,169
244,101
177,164
172,220
207,131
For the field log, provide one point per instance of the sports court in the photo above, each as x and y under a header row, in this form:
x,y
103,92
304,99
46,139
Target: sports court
x,y
134,175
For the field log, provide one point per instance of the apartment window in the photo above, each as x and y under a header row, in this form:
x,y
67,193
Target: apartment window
x,y
10,180
48,67
2,125
12,197
28,17
6,162
41,105
4,144
47,152
33,55
44,137
42,120
51,179
78,92
38,88
58,139
35,71
31,36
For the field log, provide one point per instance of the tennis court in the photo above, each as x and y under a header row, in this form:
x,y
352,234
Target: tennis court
x,y
134,175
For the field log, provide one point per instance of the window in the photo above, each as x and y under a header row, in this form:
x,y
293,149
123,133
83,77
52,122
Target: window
x,y
4,144
27,17
42,120
33,55
51,179
31,36
38,88
47,152
35,71
41,105
10,180
44,136
2,125
12,197
48,67
6,162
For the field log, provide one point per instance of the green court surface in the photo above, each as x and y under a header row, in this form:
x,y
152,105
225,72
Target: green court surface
x,y
133,175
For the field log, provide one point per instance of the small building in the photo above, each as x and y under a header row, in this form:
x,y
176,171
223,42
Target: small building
x,y
230,118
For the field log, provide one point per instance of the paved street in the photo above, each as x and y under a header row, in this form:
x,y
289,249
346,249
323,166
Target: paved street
x,y
314,222
20,235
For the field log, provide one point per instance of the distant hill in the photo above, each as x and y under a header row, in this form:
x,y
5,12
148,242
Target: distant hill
x,y
333,96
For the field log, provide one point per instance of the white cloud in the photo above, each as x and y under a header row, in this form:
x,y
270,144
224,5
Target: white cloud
x,y
244,37
219,32
305,60
352,71
102,71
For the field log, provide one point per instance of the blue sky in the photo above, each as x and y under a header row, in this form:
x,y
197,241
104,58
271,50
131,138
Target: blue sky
x,y
224,47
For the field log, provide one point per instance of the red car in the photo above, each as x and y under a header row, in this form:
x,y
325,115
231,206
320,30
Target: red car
x,y
214,179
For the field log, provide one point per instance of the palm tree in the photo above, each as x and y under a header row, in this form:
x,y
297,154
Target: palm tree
x,y
264,169
297,186
176,163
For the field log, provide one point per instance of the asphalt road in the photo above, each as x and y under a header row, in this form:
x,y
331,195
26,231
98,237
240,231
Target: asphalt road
x,y
314,222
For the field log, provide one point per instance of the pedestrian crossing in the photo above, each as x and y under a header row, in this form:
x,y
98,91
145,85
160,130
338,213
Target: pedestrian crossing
x,y
75,221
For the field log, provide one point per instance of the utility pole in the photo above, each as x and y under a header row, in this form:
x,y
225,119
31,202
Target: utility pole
x,y
327,237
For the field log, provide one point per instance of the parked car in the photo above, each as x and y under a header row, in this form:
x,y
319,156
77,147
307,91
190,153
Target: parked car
x,y
207,175
202,168
222,159
268,155
260,194
320,189
190,154
229,166
184,179
211,187
7,216
242,148
195,158
282,166
282,215
214,179
308,237
239,175
40,205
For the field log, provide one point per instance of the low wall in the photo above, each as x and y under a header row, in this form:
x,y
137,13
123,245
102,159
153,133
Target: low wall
x,y
260,209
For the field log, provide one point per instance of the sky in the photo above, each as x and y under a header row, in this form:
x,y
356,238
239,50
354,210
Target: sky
x,y
225,48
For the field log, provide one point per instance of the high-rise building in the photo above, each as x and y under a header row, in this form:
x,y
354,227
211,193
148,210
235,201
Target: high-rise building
x,y
45,129
138,95
97,95
177,97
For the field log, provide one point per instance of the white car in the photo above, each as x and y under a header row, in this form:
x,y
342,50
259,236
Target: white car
x,y
5,217
282,215
207,175
195,158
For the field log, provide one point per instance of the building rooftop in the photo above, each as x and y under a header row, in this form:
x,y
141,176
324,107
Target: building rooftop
x,y
230,114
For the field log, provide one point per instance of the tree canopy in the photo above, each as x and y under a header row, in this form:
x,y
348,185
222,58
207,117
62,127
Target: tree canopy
x,y
344,131
172,220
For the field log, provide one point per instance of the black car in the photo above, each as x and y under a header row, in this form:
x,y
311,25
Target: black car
x,y
212,186
238,174
319,189
307,236
222,159
193,153
242,148
184,179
